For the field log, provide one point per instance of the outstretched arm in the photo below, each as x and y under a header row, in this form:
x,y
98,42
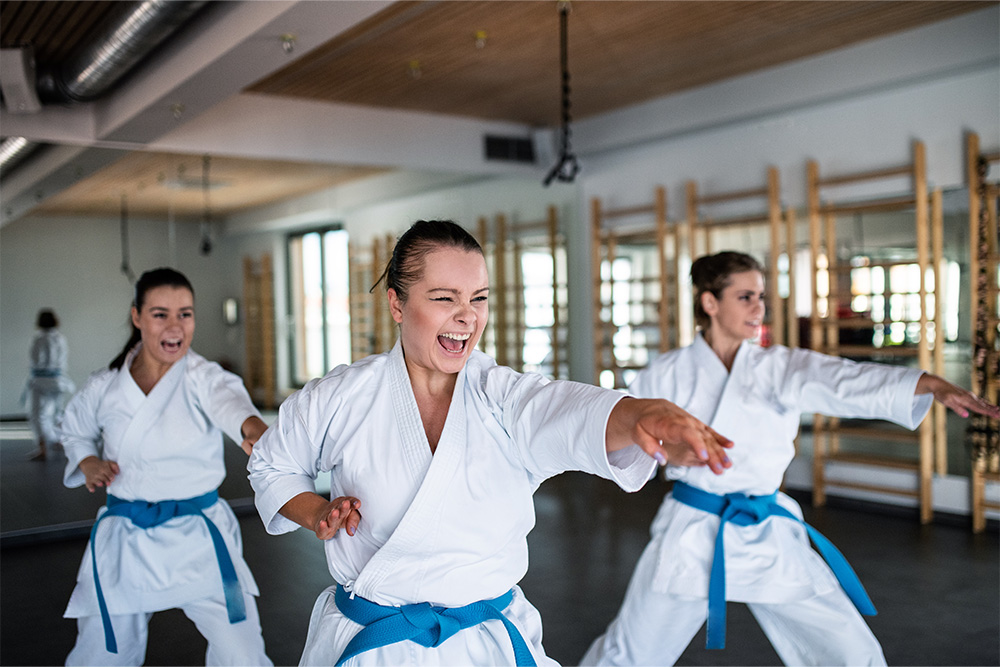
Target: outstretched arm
x,y
667,433
960,401
324,517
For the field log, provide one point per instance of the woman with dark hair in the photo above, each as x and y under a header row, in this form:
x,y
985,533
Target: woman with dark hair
x,y
48,385
755,395
434,452
149,429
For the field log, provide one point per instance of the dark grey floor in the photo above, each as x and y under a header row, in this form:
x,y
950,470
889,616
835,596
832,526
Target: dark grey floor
x,y
937,587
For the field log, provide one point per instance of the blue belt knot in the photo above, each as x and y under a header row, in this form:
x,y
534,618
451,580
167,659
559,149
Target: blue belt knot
x,y
147,515
422,623
744,510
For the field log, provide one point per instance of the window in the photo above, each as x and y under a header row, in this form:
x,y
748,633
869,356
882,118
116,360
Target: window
x,y
888,293
321,324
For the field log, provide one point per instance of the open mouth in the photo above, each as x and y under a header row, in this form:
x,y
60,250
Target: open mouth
x,y
172,346
454,343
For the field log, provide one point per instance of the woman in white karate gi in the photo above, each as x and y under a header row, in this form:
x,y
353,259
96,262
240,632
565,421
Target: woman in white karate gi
x,y
48,386
149,429
434,453
755,396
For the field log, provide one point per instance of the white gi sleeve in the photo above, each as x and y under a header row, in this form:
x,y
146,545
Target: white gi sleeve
x,y
223,397
558,426
839,387
80,432
288,457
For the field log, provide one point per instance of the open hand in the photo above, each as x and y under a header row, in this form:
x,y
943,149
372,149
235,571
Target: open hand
x,y
668,434
343,512
961,401
98,472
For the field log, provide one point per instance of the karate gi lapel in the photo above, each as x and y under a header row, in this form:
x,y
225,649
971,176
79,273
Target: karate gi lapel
x,y
148,408
717,380
433,473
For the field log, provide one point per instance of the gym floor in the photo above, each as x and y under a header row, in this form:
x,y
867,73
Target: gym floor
x,y
937,587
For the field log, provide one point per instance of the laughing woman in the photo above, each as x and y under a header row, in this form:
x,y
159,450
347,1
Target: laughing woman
x,y
165,537
434,453
808,610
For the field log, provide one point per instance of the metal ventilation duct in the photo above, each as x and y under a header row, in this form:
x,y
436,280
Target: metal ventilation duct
x,y
124,40
13,150
121,43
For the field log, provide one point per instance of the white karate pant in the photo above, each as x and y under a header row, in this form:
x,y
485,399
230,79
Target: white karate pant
x,y
654,628
43,412
228,643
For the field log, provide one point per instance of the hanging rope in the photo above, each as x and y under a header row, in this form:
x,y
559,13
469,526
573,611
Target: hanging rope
x,y
206,221
126,267
567,167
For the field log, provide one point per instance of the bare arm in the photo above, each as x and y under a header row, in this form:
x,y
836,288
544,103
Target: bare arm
x,y
960,401
667,433
323,517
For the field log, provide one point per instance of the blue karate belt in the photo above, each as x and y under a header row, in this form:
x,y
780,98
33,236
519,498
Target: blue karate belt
x,y
44,373
744,510
147,515
426,625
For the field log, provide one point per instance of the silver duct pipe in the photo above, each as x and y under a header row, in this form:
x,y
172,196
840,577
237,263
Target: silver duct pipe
x,y
121,43
13,150
124,40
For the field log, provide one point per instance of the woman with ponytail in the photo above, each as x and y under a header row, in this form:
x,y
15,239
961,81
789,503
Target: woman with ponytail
x,y
809,609
149,430
433,453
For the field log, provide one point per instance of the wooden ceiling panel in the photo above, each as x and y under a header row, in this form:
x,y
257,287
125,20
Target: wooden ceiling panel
x,y
156,184
54,29
620,52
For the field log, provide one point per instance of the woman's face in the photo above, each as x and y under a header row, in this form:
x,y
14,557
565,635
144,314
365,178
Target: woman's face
x,y
443,318
166,322
739,311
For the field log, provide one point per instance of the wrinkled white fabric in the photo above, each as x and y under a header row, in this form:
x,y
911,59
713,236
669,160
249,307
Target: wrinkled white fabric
x,y
168,445
447,528
758,405
45,395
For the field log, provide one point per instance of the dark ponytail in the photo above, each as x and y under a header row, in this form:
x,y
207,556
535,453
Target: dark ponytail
x,y
422,238
711,273
163,277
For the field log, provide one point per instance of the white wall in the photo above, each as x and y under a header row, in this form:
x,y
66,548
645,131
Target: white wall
x,y
73,266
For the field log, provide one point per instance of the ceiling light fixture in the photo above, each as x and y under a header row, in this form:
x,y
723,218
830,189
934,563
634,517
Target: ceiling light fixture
x,y
288,42
415,71
567,167
480,39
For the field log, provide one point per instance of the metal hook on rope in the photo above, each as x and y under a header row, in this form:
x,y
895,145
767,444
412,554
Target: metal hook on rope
x,y
567,166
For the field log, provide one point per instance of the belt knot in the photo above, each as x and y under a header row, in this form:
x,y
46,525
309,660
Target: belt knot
x,y
745,510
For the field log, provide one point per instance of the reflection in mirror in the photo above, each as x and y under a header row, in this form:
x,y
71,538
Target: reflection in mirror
x,y
876,289
68,253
